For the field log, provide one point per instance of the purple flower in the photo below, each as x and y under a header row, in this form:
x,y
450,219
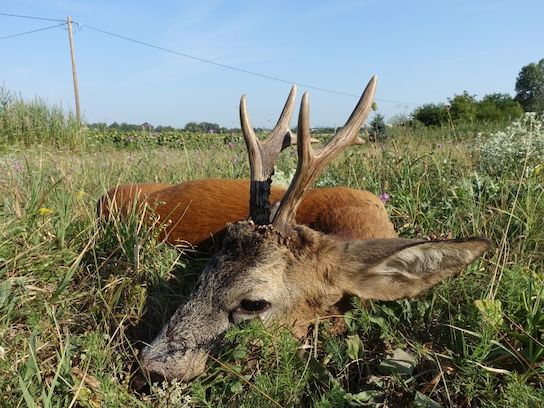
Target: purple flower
x,y
17,167
385,197
130,139
439,145
231,145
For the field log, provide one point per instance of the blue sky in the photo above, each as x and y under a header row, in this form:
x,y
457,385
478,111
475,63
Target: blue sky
x,y
422,51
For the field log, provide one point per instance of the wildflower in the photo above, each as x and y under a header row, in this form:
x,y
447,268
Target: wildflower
x,y
17,167
80,194
439,145
231,145
517,149
385,197
43,211
130,139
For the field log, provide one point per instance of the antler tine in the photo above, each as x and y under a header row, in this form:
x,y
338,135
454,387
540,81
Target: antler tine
x,y
262,156
349,134
310,163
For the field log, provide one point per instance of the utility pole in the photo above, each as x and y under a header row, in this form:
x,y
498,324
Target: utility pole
x,y
74,71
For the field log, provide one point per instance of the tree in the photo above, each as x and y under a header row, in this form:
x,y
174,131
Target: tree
x,y
377,131
202,127
530,87
431,114
498,107
463,107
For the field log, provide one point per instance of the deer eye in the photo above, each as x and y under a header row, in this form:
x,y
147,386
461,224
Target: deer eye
x,y
252,306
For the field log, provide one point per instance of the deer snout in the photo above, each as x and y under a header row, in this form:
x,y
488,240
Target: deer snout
x,y
183,366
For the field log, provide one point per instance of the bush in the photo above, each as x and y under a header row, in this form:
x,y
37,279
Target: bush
x,y
431,114
463,107
377,131
498,107
466,109
519,147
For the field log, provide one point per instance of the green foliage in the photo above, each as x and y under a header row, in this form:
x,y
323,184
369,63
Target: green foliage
x,y
431,114
497,107
77,297
35,122
463,107
202,127
466,109
377,129
530,87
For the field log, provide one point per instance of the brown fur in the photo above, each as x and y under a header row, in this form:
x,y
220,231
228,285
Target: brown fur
x,y
339,244
312,275
197,211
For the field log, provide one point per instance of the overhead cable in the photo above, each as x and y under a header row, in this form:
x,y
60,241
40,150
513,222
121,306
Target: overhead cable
x,y
230,67
31,17
31,31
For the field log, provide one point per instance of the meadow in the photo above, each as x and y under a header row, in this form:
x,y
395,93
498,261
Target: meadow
x,y
77,297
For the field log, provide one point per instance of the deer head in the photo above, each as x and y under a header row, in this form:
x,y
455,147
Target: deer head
x,y
272,269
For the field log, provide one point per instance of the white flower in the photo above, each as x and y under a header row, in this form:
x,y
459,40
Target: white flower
x,y
519,147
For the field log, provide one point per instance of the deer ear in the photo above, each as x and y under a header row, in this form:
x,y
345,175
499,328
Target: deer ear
x,y
389,269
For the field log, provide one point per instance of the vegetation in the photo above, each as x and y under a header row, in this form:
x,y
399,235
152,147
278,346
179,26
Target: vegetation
x,y
431,114
78,297
377,131
530,87
35,122
465,108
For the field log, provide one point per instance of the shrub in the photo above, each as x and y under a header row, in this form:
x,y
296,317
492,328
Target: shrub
x,y
377,131
463,107
520,146
431,114
498,107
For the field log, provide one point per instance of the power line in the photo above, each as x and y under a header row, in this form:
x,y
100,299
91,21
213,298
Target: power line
x,y
182,54
207,61
32,31
31,17
232,68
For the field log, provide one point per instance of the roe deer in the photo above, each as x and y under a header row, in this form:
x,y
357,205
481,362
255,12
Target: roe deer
x,y
197,212
274,269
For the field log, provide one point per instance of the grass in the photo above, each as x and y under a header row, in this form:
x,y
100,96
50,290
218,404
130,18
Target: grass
x,y
35,122
77,298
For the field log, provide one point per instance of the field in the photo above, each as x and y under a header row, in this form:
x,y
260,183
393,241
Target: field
x,y
77,296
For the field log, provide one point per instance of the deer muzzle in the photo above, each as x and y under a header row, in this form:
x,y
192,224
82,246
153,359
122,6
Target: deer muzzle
x,y
181,365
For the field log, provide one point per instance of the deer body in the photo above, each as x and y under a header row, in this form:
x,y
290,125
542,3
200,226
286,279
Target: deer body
x,y
273,268
197,212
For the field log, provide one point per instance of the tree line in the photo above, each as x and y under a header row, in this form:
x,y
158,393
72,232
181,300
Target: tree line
x,y
495,107
466,108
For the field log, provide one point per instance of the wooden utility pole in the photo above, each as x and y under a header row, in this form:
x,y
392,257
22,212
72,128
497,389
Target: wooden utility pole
x,y
74,71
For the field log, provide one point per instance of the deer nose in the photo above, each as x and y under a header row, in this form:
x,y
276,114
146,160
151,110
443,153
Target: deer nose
x,y
182,366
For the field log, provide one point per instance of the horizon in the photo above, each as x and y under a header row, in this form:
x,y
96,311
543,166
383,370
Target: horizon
x,y
422,52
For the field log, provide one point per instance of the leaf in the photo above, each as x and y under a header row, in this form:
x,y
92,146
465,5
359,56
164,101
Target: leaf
x,y
362,398
240,353
237,387
26,394
490,311
422,401
5,289
400,362
355,345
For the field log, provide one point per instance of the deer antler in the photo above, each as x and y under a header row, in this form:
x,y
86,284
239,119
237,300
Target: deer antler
x,y
311,163
263,154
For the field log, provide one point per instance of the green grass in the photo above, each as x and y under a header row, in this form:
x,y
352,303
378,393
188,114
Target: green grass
x,y
77,297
